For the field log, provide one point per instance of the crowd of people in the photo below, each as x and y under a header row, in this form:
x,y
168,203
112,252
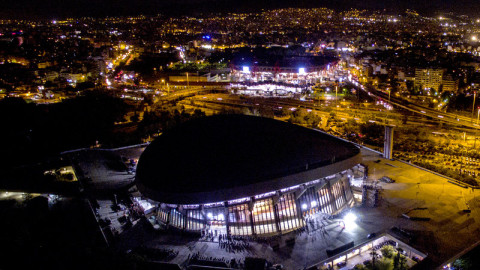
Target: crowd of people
x,y
197,259
314,223
233,243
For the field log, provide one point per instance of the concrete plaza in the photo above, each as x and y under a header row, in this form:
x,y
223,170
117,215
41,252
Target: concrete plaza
x,y
417,192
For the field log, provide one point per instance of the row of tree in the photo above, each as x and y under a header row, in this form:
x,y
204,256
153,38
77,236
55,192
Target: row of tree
x,y
31,131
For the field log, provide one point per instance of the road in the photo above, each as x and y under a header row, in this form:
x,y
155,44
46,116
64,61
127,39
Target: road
x,y
192,91
449,118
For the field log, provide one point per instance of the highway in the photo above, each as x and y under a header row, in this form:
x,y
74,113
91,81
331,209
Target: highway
x,y
449,118
461,122
344,112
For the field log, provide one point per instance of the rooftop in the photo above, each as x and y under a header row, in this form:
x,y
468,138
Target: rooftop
x,y
229,151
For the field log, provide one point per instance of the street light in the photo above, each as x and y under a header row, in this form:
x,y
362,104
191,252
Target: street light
x,y
336,97
473,106
478,114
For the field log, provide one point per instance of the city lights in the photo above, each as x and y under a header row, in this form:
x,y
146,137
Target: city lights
x,y
256,134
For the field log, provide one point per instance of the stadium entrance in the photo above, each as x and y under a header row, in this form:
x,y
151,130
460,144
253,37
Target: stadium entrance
x,y
216,223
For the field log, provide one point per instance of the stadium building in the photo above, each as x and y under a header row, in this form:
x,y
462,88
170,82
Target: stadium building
x,y
287,69
246,175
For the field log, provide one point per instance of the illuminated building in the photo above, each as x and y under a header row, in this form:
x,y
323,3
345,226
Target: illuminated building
x,y
246,175
298,70
449,83
279,65
428,78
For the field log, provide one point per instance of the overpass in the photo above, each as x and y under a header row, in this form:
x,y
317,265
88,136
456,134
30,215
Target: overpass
x,y
189,92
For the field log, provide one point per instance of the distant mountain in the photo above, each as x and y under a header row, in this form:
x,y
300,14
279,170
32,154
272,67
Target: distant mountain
x,y
101,8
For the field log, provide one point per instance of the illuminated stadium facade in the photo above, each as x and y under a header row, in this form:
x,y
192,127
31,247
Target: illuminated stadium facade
x,y
246,175
295,70
280,66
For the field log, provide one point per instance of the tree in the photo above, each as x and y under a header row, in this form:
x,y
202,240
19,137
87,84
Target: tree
x,y
402,262
374,256
396,261
462,264
384,264
388,251
284,112
360,267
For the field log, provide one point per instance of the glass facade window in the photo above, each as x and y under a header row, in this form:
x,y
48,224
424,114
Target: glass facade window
x,y
239,220
215,216
162,215
216,220
264,216
347,189
177,219
195,220
338,194
287,213
309,201
324,200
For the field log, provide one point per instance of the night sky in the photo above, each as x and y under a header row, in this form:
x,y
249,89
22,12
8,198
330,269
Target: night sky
x,y
77,8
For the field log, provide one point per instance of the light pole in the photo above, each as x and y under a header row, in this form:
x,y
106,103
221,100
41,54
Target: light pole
x,y
478,114
473,106
188,85
336,97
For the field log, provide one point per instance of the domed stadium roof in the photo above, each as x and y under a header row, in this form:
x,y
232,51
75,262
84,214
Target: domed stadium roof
x,y
229,156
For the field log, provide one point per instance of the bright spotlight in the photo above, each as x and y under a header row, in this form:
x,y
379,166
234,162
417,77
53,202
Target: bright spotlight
x,y
245,69
301,71
209,215
221,217
313,204
304,206
349,220
350,217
